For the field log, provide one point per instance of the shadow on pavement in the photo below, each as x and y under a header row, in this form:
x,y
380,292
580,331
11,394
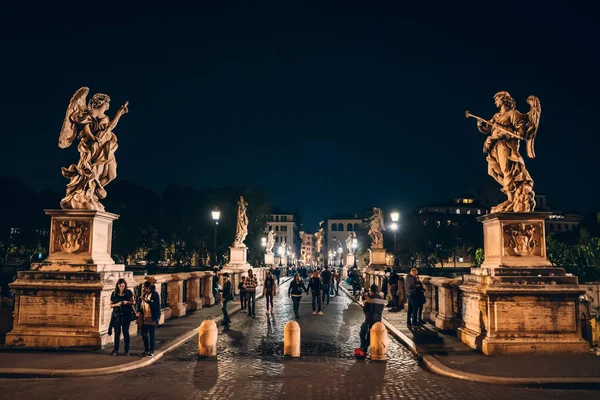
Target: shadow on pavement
x,y
206,374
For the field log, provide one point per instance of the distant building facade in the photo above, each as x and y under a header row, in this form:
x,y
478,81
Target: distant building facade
x,y
307,251
285,229
460,215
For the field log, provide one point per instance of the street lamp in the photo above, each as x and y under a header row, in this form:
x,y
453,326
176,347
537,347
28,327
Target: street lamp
x,y
395,218
263,242
215,216
354,246
280,255
340,251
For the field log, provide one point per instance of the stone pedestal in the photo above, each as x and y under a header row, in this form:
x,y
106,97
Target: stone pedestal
x,y
517,303
64,301
238,259
269,259
377,259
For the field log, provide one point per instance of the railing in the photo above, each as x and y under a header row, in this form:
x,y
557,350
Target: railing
x,y
184,292
164,295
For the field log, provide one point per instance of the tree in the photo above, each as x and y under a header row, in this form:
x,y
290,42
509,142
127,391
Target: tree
x,y
581,258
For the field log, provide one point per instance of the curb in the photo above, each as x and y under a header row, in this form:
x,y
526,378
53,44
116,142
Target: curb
x,y
432,364
113,369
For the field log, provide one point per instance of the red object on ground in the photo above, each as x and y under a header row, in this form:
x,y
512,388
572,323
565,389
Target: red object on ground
x,y
359,353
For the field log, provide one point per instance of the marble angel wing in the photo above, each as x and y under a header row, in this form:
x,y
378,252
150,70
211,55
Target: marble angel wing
x,y
533,122
68,132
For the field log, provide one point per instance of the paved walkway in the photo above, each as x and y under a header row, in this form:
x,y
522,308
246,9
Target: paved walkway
x,y
174,332
445,354
250,365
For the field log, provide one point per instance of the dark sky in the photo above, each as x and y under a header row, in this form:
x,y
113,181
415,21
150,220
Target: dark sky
x,y
331,107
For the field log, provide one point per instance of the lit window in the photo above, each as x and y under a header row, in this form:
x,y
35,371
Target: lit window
x,y
458,210
479,212
460,259
468,211
448,222
438,224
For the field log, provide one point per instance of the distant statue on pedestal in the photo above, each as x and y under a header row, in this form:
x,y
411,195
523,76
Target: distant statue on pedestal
x,y
97,166
376,228
241,230
349,240
270,242
506,129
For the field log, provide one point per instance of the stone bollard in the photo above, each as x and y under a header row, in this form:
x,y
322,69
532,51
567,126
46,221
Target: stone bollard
x,y
207,338
291,339
379,342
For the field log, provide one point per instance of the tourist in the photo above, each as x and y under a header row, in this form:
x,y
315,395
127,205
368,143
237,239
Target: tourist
x,y
412,285
295,290
355,279
250,286
338,278
326,278
373,308
242,290
420,301
394,279
315,286
226,296
385,286
123,312
269,290
215,282
150,317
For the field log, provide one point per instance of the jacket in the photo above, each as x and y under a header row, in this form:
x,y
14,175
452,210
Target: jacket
x,y
296,288
154,305
326,277
314,285
269,285
251,284
412,285
373,308
227,293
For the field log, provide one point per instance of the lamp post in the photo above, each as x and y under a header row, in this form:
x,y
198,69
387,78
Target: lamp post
x,y
263,242
216,214
354,246
280,255
395,218
340,251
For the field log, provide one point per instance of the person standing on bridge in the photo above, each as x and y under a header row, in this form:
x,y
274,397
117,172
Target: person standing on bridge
x,y
315,287
250,286
150,318
326,277
226,296
269,290
373,308
295,290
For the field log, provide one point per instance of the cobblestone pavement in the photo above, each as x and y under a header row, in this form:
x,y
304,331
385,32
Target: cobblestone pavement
x,y
251,365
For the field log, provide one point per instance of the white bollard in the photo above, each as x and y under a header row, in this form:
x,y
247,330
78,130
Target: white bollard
x,y
207,338
291,339
379,342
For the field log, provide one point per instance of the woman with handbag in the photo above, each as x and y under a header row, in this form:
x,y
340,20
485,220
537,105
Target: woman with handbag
x,y
123,312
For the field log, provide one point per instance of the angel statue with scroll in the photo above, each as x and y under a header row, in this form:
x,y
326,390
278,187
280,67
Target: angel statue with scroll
x,y
506,129
97,166
376,228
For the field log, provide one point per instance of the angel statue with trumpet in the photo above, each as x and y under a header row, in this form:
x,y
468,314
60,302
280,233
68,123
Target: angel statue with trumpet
x,y
506,129
97,166
376,228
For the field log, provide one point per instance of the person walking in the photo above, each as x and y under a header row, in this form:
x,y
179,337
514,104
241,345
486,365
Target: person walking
x,y
242,290
295,291
355,279
337,278
315,287
122,303
226,297
150,316
420,301
250,286
373,308
269,290
326,278
412,285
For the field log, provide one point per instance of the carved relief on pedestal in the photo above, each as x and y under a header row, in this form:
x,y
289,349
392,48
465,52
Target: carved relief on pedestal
x,y
522,239
71,236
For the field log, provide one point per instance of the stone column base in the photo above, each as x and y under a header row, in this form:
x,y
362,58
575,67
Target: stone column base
x,y
377,259
64,309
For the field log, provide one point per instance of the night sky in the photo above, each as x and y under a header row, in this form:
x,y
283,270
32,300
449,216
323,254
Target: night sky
x,y
330,107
